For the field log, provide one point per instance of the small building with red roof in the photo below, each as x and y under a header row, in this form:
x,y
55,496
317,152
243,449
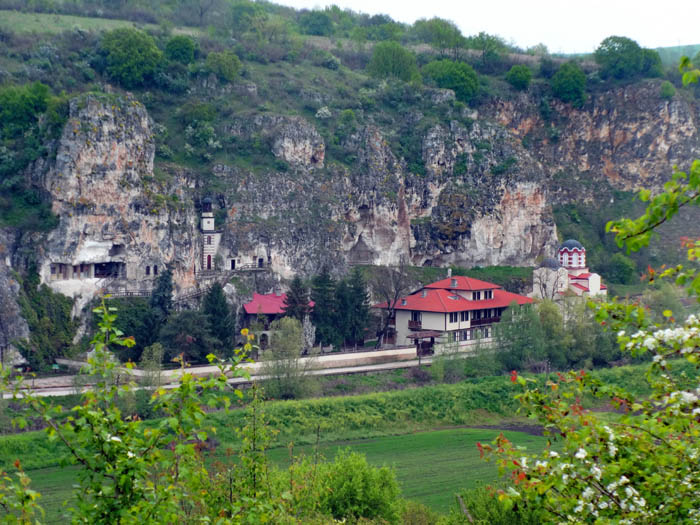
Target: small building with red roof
x,y
456,309
265,308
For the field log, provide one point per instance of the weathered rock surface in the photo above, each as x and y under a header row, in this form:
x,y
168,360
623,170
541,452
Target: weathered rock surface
x,y
13,327
111,210
629,136
483,194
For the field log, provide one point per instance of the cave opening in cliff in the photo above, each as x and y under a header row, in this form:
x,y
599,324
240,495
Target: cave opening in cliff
x,y
109,269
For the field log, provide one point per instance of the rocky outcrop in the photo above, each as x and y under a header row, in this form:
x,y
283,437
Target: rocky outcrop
x,y
115,218
13,326
478,189
628,136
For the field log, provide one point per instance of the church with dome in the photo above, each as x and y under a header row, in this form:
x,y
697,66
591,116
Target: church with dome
x,y
567,274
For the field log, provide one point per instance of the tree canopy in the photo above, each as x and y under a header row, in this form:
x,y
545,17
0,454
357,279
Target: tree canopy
x,y
392,60
131,56
519,77
621,58
569,83
457,76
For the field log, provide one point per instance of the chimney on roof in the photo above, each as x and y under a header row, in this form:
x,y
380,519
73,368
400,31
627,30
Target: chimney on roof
x,y
449,273
424,293
403,302
454,283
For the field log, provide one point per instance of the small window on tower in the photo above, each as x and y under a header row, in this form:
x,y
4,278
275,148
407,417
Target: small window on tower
x,y
148,270
208,239
155,269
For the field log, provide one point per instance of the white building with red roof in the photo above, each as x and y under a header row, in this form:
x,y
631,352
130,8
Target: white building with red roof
x,y
457,309
567,274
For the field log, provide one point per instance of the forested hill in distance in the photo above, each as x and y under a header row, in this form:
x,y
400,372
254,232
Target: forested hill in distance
x,y
324,138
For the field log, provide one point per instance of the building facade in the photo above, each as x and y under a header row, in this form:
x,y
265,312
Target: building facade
x,y
458,310
568,273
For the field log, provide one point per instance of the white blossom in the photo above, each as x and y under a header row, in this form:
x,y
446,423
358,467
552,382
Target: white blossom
x,y
581,454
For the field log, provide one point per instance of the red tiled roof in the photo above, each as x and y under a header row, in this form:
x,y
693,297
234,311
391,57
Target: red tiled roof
x,y
269,304
580,286
603,287
445,301
580,276
463,283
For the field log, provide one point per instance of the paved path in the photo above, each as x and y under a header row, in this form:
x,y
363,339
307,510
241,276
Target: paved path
x,y
63,385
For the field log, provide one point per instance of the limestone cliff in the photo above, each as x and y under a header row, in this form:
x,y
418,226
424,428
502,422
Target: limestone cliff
x,y
629,136
115,219
483,194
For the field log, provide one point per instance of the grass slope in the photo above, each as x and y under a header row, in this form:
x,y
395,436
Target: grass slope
x,y
431,467
53,23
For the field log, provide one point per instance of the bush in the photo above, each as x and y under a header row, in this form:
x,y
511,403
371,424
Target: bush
x,y
181,49
316,23
519,77
667,91
457,76
131,56
357,490
569,83
224,65
619,57
391,59
51,325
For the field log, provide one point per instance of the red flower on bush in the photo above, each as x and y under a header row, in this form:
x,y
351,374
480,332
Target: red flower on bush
x,y
513,376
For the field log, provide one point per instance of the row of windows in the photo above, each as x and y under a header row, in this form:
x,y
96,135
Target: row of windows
x,y
155,270
469,335
475,314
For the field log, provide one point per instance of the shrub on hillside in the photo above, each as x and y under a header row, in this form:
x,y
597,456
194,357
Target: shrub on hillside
x,y
519,77
131,57
457,76
392,60
667,91
357,490
316,23
181,48
569,83
225,65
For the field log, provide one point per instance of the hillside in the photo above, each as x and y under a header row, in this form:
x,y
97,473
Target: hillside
x,y
310,160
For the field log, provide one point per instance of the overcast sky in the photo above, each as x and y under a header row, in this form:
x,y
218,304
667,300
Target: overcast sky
x,y
564,26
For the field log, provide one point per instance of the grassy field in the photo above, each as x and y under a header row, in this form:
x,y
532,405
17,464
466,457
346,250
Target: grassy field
x,y
52,23
431,466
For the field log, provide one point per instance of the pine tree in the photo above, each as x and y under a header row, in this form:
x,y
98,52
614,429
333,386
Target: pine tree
x,y
296,302
221,322
343,313
323,315
358,313
162,297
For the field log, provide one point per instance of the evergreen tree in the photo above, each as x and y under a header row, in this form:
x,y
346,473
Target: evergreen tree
x,y
162,296
188,333
296,302
323,315
343,313
221,322
358,313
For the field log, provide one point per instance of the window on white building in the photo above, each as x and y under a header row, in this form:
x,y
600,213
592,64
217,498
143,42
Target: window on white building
x,y
453,317
464,316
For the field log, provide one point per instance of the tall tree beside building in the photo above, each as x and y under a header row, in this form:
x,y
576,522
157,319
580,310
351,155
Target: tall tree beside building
x,y
323,315
162,297
221,321
358,313
296,302
389,284
343,304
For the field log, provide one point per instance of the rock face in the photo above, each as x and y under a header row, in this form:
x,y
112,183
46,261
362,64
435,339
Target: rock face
x,y
629,136
13,327
478,191
117,224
